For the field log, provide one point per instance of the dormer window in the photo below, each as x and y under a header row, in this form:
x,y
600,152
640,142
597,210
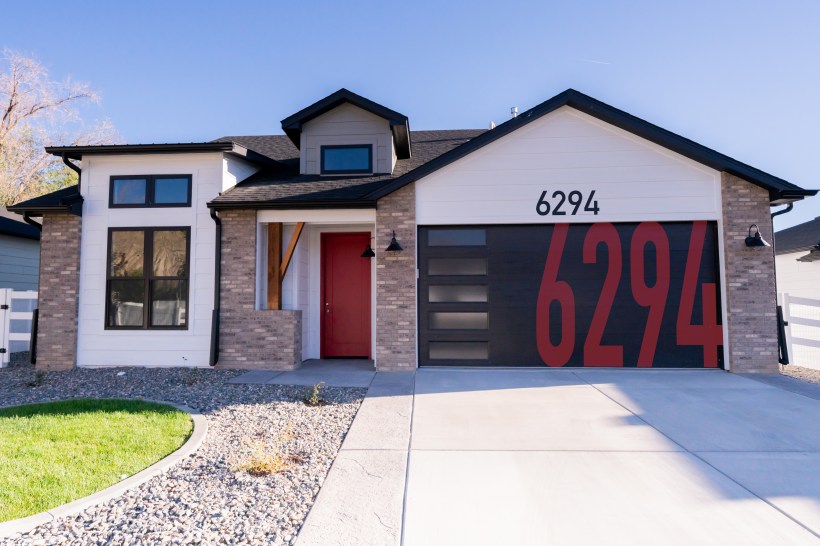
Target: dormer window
x,y
347,159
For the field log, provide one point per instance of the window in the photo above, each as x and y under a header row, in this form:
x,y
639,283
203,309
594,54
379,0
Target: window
x,y
347,159
147,278
150,191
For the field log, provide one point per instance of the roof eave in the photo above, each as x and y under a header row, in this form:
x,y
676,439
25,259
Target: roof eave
x,y
781,191
284,204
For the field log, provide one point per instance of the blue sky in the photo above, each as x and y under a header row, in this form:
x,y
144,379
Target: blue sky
x,y
742,77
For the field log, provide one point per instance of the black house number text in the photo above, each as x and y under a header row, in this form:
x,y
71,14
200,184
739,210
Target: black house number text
x,y
555,205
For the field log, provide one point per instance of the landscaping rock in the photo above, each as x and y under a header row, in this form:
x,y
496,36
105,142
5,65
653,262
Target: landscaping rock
x,y
204,499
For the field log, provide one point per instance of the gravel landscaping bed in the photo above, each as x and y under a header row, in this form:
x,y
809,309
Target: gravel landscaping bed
x,y
204,499
799,372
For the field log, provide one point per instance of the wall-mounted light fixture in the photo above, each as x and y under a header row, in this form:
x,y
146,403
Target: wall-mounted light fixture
x,y
755,240
394,245
368,250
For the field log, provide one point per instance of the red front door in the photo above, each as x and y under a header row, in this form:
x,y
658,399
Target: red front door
x,y
345,295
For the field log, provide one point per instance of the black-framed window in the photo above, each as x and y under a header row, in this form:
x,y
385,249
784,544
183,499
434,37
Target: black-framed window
x,y
147,278
157,190
347,159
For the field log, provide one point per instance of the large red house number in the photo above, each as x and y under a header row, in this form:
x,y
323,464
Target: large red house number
x,y
558,352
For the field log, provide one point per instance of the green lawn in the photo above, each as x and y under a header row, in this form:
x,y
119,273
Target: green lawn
x,y
54,453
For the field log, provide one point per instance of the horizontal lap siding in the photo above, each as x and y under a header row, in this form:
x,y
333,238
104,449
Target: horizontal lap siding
x,y
19,263
633,180
100,347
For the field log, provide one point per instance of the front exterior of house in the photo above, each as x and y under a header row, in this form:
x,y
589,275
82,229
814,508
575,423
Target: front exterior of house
x,y
573,235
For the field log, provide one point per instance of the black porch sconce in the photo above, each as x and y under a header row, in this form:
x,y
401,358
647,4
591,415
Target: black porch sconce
x,y
755,240
394,245
368,250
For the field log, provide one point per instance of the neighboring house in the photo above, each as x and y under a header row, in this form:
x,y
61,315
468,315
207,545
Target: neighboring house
x,y
797,251
19,252
573,234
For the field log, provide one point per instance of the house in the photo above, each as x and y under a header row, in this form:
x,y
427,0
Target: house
x,y
19,252
574,234
797,257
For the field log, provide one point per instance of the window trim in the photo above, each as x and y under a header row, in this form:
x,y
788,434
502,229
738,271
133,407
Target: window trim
x,y
150,182
148,277
369,169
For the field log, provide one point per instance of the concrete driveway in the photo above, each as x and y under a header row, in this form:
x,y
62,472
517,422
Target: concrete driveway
x,y
574,457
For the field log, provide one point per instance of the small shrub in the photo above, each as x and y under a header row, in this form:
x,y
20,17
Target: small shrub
x,y
265,459
39,379
313,397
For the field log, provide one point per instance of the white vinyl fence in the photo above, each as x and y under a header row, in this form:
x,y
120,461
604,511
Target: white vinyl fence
x,y
16,319
802,316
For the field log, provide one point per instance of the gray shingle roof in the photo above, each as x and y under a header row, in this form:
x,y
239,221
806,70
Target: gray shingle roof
x,y
284,186
798,238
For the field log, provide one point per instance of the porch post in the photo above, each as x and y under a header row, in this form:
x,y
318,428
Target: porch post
x,y
274,265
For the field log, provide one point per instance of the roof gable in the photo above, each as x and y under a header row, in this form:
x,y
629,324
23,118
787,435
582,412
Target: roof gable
x,y
399,123
780,191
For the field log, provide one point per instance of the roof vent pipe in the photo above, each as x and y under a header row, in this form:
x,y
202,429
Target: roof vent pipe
x,y
514,111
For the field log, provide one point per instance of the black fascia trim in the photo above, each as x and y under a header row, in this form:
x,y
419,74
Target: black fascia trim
x,y
368,170
613,116
150,190
76,152
278,205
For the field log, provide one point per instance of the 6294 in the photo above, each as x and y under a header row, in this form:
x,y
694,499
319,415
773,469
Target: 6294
x,y
544,207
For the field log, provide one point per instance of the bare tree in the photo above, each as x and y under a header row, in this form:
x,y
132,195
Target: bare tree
x,y
36,111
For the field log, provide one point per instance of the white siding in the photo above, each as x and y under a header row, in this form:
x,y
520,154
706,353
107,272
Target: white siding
x,y
235,170
100,347
633,179
801,279
19,263
347,124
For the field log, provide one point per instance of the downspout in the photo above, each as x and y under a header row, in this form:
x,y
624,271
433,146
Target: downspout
x,y
35,315
27,219
783,357
76,169
214,358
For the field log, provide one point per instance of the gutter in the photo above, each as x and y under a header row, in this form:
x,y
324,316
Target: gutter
x,y
214,356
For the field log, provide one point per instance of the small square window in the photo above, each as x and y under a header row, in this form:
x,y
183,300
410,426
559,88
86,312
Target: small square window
x,y
347,159
172,191
129,191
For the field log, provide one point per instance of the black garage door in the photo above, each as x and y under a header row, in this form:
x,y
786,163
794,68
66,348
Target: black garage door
x,y
616,295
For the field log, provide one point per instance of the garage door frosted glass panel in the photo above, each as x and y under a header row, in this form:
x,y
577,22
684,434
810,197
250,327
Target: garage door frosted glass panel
x,y
457,293
457,237
458,266
458,350
458,321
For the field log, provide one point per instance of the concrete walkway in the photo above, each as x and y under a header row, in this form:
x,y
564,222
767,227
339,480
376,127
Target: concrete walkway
x,y
574,457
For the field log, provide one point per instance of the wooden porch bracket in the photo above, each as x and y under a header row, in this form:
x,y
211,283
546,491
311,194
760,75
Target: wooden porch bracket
x,y
277,265
294,239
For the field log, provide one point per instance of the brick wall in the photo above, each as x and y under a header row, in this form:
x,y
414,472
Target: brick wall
x,y
396,281
58,292
249,338
750,278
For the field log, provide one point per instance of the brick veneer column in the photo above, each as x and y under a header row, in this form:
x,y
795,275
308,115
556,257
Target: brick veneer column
x,y
250,338
396,281
58,292
750,278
